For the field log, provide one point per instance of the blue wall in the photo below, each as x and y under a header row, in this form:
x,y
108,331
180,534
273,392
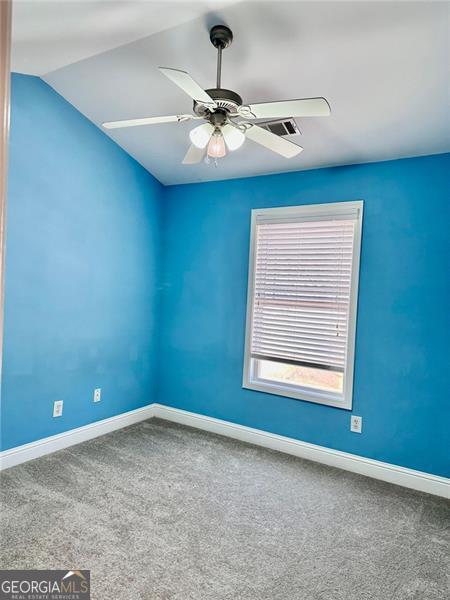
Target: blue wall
x,y
82,268
401,371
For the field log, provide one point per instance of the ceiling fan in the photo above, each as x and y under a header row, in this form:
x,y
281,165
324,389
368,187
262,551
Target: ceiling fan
x,y
228,121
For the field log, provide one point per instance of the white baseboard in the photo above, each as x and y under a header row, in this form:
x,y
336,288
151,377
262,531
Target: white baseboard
x,y
20,454
416,480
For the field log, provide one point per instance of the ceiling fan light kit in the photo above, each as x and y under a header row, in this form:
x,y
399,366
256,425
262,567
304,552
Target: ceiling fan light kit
x,y
228,121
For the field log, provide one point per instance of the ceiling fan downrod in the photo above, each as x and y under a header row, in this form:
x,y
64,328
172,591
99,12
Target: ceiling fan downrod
x,y
221,37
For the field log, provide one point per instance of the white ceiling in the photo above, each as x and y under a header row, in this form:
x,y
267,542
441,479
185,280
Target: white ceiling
x,y
50,35
382,66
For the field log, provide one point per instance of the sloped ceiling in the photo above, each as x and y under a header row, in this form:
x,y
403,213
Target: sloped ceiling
x,y
381,65
50,35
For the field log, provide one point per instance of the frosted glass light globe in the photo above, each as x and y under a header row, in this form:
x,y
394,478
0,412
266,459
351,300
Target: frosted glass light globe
x,y
234,137
201,135
216,146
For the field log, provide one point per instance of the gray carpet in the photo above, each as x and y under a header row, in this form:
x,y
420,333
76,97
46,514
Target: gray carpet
x,y
163,512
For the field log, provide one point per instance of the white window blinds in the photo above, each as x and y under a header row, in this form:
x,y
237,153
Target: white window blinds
x,y
302,289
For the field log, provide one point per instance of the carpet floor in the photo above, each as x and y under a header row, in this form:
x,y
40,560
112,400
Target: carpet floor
x,y
158,511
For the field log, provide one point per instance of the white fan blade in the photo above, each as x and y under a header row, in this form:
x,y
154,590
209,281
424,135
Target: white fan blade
x,y
184,81
194,155
307,107
147,121
273,142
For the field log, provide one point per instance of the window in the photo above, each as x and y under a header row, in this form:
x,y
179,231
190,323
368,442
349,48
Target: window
x,y
302,297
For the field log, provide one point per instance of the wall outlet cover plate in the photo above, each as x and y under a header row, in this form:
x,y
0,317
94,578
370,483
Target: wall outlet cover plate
x,y
356,424
57,408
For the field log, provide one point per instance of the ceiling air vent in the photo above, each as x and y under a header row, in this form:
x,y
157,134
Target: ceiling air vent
x,y
284,127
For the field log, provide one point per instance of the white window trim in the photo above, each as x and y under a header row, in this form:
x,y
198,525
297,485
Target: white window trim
x,y
283,389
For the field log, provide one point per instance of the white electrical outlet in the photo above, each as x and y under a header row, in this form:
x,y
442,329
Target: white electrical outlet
x,y
97,394
57,408
355,424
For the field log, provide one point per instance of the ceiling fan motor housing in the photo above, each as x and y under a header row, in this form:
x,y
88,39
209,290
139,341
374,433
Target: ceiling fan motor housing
x,y
226,100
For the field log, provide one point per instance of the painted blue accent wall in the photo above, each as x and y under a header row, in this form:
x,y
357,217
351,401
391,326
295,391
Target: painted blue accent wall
x,y
82,266
401,370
